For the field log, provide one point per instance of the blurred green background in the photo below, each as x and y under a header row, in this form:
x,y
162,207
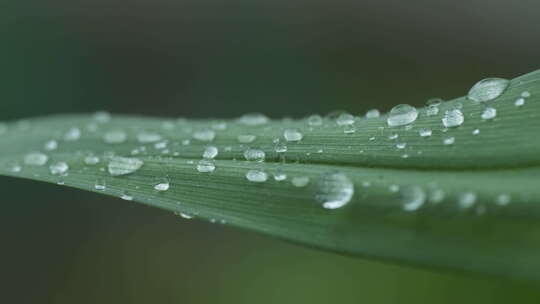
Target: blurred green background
x,y
211,58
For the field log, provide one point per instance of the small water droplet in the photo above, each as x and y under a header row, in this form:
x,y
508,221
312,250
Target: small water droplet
x,y
210,152
206,166
425,132
246,138
72,134
91,160
466,199
436,196
100,184
162,185
315,120
503,199
59,168
373,113
488,89
393,188
281,148
14,167
335,190
449,140
475,132
300,181
393,136
204,135
345,119
401,145
257,176
293,135
219,126
254,155
124,165
519,102
126,196
453,118
489,113
102,117
51,145
280,176
413,198
35,159
148,137
185,216
253,119
525,94
349,129
115,137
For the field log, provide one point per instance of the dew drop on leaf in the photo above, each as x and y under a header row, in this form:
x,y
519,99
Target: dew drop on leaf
x,y
293,135
35,159
59,168
402,115
51,145
489,113
206,166
210,152
373,113
488,89
334,190
255,155
453,118
123,165
115,137
257,176
412,197
300,181
246,138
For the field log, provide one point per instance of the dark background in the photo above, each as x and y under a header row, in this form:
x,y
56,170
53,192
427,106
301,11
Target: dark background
x,y
211,58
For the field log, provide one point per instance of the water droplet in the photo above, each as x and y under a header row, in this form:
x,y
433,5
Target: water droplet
x,y
246,138
525,94
293,135
115,137
51,145
519,102
488,89
502,199
466,199
425,132
100,184
432,110
59,168
281,148
185,216
453,118
401,145
434,102
14,167
91,160
124,165
300,181
345,119
315,120
219,126
254,155
35,159
161,145
489,113
162,185
335,190
449,140
475,132
280,176
436,195
257,176
210,152
148,137
401,115
102,117
413,198
349,129
373,113
72,134
393,136
206,166
253,119
204,135
393,188
126,196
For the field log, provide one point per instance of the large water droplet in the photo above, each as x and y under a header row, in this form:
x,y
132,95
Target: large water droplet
x,y
335,190
488,89
255,155
35,159
59,168
413,198
453,118
401,115
293,135
124,165
257,176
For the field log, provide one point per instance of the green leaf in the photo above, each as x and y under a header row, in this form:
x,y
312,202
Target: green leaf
x,y
468,206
